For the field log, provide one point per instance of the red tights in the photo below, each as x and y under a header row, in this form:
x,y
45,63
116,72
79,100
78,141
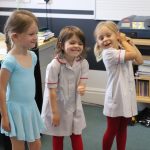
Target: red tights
x,y
76,141
116,126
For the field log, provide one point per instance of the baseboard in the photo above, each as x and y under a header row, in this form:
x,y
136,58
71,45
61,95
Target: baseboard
x,y
94,96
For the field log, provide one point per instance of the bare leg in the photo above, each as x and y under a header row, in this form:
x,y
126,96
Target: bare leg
x,y
17,145
36,145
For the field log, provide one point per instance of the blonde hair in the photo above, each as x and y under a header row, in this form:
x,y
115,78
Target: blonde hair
x,y
111,26
19,21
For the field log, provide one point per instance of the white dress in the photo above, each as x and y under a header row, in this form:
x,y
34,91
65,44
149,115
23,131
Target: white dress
x,y
120,97
60,75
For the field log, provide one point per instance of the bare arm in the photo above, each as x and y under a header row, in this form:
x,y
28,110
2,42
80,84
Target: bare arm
x,y
4,77
139,58
54,107
132,53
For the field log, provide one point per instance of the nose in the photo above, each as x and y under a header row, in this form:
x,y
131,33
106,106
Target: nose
x,y
35,37
105,38
76,45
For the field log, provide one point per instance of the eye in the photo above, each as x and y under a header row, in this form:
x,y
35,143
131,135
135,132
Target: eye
x,y
31,34
80,43
100,38
108,35
72,42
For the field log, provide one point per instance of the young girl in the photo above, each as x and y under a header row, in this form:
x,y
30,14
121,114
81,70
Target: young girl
x,y
65,80
21,119
118,53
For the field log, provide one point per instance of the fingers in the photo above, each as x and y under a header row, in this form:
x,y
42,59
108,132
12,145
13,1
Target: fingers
x,y
6,128
55,124
56,120
81,90
5,124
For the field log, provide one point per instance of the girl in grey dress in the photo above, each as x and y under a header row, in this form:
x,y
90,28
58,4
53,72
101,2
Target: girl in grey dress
x,y
65,82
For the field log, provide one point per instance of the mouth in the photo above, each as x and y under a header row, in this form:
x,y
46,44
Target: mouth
x,y
107,44
75,50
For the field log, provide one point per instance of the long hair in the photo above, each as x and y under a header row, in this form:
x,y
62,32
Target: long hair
x,y
19,21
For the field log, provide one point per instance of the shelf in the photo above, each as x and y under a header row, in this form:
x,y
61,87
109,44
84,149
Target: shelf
x,y
143,99
142,77
145,42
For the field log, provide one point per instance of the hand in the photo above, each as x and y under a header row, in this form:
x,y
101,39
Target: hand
x,y
5,124
130,41
55,119
81,89
122,37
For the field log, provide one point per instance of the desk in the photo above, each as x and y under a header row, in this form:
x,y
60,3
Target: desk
x,y
41,46
46,54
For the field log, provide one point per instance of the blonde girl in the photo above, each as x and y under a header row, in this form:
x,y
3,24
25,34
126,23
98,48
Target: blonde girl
x,y
118,53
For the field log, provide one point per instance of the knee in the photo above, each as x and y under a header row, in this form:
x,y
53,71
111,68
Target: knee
x,y
36,145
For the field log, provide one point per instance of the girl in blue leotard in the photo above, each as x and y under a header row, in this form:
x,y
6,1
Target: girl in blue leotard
x,y
20,118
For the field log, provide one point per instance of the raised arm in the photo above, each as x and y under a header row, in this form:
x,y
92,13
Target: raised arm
x,y
132,53
139,59
4,77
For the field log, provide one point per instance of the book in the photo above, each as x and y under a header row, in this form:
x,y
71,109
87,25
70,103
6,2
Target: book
x,y
45,35
144,68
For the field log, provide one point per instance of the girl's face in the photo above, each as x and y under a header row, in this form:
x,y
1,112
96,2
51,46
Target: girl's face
x,y
107,38
28,39
73,47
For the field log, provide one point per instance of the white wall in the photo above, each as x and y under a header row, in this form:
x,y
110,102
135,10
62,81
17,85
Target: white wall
x,y
53,4
95,87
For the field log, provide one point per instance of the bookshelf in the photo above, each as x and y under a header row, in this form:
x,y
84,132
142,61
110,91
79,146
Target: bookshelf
x,y
142,82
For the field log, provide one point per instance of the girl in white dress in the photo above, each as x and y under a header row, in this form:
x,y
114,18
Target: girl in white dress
x,y
118,53
65,82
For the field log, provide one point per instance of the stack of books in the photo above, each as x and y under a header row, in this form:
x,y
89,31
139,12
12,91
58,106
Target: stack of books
x,y
45,35
144,69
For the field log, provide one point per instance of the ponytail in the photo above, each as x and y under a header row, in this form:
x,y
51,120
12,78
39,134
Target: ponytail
x,y
98,52
8,41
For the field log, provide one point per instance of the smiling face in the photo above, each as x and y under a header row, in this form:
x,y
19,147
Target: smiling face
x,y
28,39
73,47
106,38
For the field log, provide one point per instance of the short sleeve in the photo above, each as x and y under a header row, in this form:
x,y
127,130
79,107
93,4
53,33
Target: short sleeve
x,y
9,63
34,57
52,74
84,70
112,56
